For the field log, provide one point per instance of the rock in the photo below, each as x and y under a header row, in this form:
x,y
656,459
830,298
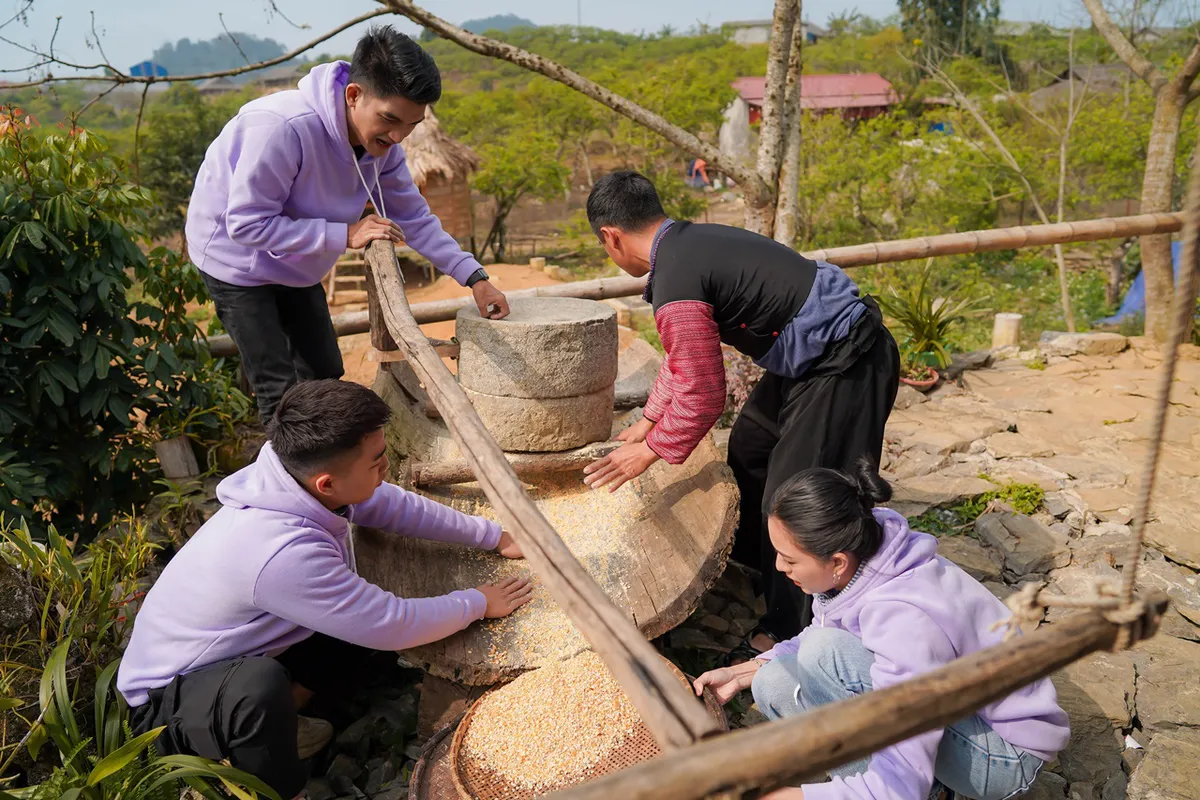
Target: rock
x,y
547,347
914,463
1175,542
1180,584
356,733
1109,504
980,562
962,362
1081,790
343,765
380,776
1168,772
553,424
1107,548
1116,788
1088,471
721,440
712,603
1106,528
1168,694
17,606
1076,521
1047,786
742,627
1017,445
1097,693
939,490
714,623
1053,343
1026,544
319,789
1060,504
637,369
907,397
1077,581
393,793
693,639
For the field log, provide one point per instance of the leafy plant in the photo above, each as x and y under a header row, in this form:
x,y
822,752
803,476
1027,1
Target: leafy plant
x,y
110,762
926,320
1024,498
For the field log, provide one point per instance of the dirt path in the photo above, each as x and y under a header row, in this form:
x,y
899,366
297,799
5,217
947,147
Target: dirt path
x,y
506,277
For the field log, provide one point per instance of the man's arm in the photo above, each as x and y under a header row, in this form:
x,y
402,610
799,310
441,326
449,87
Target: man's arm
x,y
422,230
309,584
393,509
693,342
259,189
660,394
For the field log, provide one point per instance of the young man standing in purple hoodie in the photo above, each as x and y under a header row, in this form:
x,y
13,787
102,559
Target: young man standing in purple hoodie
x,y
262,607
280,195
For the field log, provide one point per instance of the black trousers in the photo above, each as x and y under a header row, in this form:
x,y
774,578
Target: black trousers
x,y
830,417
242,709
284,335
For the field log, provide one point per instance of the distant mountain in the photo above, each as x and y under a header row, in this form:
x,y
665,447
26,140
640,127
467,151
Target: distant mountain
x,y
186,57
499,22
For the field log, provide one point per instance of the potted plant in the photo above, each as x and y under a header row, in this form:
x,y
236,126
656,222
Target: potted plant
x,y
200,407
923,323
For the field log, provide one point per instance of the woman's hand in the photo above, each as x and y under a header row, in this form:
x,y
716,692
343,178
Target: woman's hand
x,y
726,682
508,546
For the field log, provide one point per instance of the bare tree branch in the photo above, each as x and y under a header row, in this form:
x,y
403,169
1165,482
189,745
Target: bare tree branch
x,y
758,193
1183,79
275,10
118,77
1133,58
232,38
137,138
19,15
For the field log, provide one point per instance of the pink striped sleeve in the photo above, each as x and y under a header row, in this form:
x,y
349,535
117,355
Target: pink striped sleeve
x,y
697,379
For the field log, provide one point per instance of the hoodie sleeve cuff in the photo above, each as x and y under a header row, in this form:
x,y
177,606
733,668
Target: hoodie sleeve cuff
x,y
491,535
337,235
476,602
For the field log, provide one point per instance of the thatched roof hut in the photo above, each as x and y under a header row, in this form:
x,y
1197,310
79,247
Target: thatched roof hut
x,y
441,168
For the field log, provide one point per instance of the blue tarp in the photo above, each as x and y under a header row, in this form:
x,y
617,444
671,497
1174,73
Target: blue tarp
x,y
147,69
1134,304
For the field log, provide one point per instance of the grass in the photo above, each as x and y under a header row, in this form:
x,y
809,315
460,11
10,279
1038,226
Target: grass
x,y
1024,498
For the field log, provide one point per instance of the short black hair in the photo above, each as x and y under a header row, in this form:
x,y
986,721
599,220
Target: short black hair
x,y
388,64
318,422
625,200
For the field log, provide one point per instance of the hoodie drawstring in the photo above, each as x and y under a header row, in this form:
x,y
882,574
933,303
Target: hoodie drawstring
x,y
381,207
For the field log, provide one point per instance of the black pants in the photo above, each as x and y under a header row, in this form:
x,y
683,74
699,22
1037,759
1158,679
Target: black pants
x,y
284,335
830,417
243,710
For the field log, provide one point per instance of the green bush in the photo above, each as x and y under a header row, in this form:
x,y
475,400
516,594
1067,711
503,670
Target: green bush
x,y
89,376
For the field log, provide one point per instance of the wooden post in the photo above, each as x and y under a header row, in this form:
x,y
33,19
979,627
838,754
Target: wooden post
x,y
1116,274
673,716
381,339
525,465
1006,330
804,747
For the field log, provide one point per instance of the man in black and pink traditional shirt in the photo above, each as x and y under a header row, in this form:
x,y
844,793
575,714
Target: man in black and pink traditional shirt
x,y
832,368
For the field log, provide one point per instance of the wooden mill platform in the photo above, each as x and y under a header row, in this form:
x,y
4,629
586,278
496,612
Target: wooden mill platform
x,y
654,546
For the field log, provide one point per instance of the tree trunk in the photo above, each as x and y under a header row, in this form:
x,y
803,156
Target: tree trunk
x,y
761,218
787,212
1157,185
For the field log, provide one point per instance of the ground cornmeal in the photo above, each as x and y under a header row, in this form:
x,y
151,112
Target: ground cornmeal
x,y
550,726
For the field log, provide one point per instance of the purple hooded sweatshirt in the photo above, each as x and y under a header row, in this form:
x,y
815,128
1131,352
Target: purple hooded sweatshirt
x,y
278,190
273,566
917,611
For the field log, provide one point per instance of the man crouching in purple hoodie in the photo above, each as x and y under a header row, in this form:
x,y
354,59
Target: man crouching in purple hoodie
x,y
887,608
280,195
262,607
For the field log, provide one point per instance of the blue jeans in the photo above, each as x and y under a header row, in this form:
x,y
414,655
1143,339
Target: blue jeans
x,y
832,665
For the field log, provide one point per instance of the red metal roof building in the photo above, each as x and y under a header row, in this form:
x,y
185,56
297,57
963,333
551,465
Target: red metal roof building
x,y
855,96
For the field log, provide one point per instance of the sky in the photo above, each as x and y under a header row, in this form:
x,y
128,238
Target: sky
x,y
130,30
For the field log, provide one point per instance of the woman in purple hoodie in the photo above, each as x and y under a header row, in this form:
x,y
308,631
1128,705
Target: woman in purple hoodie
x,y
281,194
887,608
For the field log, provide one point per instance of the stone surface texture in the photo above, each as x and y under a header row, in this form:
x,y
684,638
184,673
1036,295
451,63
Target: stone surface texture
x,y
548,347
1027,545
519,424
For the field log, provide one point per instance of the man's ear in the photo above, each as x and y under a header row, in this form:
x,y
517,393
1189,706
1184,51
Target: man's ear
x,y
323,484
354,93
611,237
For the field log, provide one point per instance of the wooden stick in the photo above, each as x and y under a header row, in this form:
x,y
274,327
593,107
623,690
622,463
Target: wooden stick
x,y
525,465
444,348
381,340
673,716
804,747
858,255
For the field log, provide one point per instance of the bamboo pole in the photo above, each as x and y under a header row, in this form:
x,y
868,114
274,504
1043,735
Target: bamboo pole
x,y
804,747
859,255
674,717
525,465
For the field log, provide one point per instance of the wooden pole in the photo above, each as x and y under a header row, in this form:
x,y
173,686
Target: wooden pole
x,y
525,465
381,340
673,716
800,748
858,255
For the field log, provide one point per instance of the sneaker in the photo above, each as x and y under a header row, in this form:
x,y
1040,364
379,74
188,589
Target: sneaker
x,y
312,735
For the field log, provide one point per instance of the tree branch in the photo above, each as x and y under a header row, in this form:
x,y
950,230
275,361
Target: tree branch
x,y
757,191
1183,79
118,77
774,113
789,167
1141,66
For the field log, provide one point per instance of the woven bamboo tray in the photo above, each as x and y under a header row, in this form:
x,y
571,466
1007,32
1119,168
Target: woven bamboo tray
x,y
477,782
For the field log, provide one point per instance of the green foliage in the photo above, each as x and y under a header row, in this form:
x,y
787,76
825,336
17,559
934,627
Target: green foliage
x,y
520,165
1024,498
925,319
501,23
81,362
951,26
227,51
176,133
111,763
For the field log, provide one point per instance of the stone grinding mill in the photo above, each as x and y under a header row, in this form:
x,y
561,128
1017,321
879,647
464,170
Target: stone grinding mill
x,y
544,381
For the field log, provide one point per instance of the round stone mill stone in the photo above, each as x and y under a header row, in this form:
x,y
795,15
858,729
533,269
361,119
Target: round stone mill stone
x,y
542,378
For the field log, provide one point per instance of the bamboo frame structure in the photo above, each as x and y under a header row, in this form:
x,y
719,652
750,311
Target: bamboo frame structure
x,y
859,255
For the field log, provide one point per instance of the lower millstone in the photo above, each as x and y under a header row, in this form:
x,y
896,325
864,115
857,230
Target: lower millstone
x,y
550,425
